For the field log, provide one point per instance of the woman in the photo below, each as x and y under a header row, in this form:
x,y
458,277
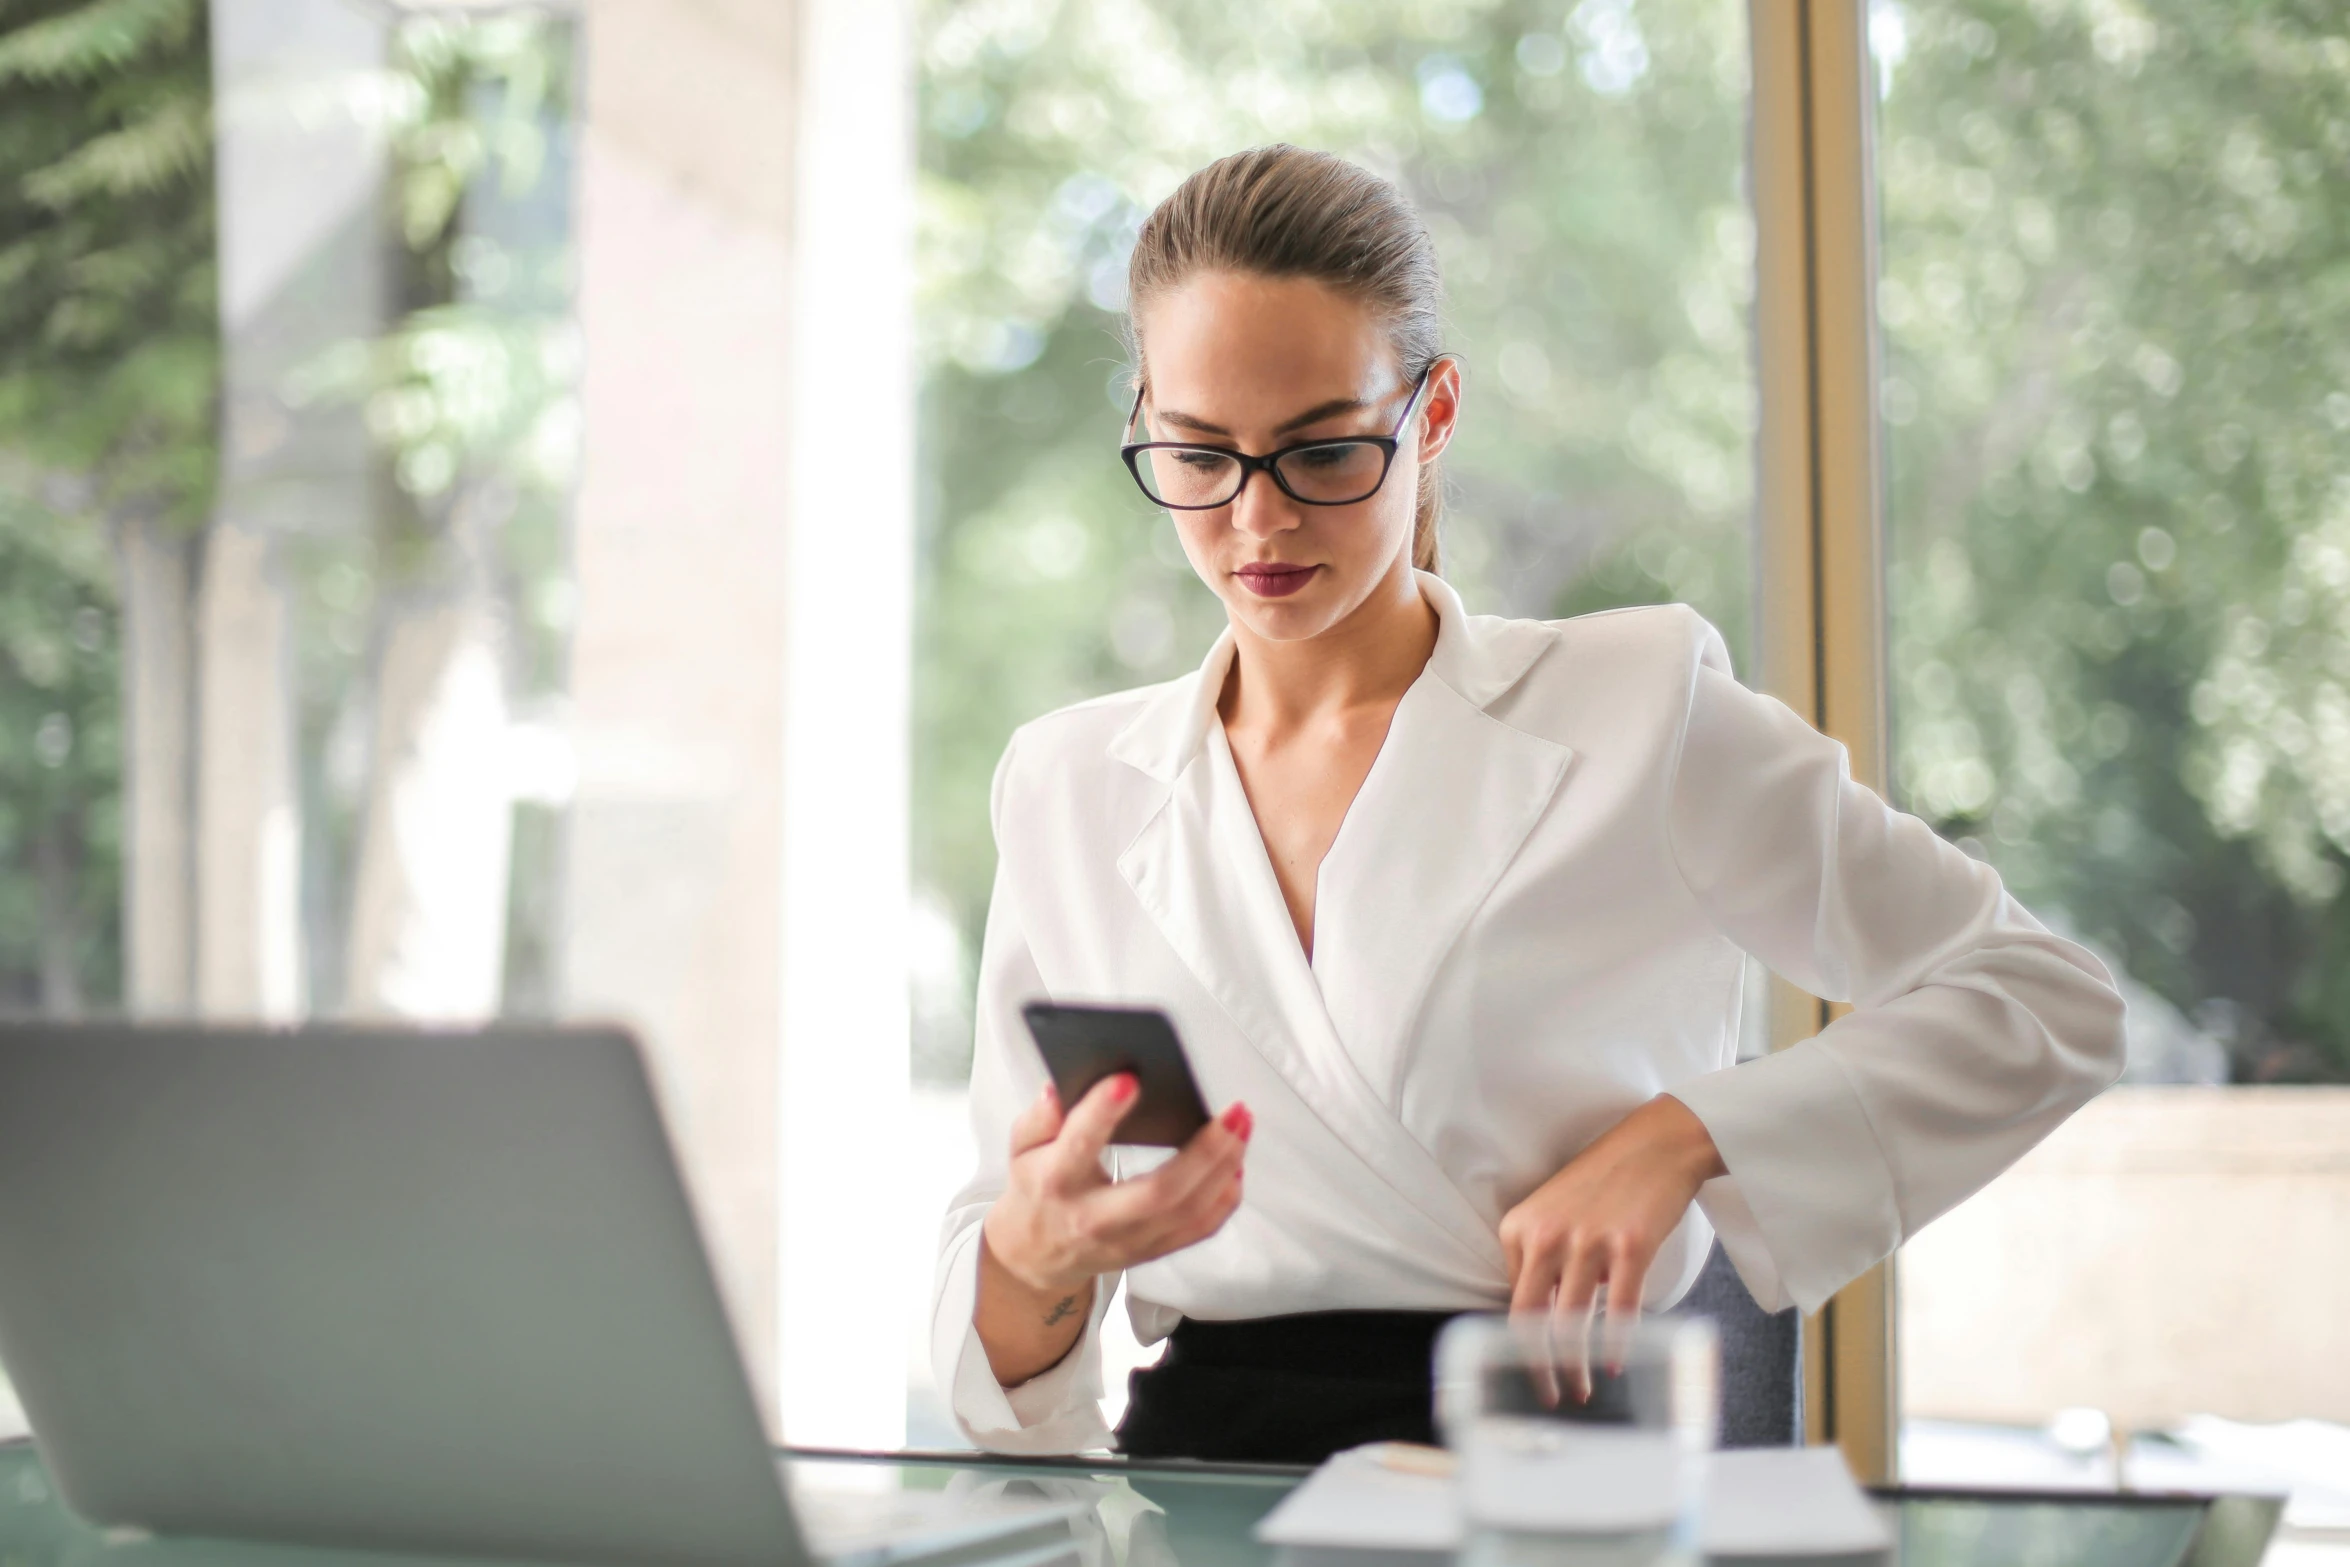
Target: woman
x,y
1451,912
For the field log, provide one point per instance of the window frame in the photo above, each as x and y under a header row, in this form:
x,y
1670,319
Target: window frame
x,y
1819,532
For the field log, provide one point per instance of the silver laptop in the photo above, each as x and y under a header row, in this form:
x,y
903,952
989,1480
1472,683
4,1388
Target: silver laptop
x,y
404,1291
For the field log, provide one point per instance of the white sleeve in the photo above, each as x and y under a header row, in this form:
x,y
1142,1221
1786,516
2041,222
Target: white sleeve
x,y
1058,1411
1974,1031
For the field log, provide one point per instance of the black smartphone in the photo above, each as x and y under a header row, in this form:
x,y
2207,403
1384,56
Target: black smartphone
x,y
1082,1045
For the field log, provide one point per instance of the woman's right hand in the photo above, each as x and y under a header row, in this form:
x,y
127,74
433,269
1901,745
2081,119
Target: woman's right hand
x,y
1062,1221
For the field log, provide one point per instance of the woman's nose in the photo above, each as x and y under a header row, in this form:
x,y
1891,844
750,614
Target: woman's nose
x,y
1261,511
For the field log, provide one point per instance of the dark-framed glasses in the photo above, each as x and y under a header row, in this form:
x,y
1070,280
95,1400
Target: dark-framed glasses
x,y
1184,476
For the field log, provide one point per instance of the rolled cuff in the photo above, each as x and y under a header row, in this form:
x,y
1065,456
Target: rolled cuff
x,y
1056,1411
1809,1202
1725,1208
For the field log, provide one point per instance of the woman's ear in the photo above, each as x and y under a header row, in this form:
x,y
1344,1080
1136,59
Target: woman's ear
x,y
1440,410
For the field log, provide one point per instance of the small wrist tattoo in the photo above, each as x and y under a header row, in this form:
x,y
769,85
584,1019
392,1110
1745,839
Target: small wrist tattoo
x,y
1060,1313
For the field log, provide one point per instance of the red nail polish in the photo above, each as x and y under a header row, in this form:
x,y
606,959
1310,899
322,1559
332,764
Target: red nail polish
x,y
1123,1087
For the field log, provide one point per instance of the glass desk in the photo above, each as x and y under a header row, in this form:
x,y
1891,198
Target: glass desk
x,y
1200,1515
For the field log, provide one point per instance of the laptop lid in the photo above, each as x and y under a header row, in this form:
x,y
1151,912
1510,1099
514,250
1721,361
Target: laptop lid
x,y
368,1286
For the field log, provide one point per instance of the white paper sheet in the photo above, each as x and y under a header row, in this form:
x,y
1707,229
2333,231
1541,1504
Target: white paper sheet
x,y
1788,1501
1785,1501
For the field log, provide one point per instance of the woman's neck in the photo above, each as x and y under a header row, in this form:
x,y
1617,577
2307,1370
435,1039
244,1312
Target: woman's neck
x,y
1370,658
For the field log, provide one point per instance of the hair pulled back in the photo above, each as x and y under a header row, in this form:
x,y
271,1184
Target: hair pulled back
x,y
1282,211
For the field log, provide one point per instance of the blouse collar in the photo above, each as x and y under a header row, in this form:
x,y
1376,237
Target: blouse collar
x,y
1479,656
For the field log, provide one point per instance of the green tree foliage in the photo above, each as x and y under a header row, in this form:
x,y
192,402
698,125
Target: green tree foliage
x,y
108,348
2117,397
1581,175
467,395
109,387
60,760
468,400
108,370
2117,303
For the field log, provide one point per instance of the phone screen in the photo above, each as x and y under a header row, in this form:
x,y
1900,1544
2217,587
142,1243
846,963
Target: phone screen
x,y
1081,1045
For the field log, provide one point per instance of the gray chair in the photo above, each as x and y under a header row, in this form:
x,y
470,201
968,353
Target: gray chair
x,y
1762,1359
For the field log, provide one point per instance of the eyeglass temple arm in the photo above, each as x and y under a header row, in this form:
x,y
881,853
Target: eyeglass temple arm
x,y
1409,408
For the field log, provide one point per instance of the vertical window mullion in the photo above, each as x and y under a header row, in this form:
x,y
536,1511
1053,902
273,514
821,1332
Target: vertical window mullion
x,y
1819,608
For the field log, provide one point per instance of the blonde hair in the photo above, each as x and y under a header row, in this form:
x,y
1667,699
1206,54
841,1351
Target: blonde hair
x,y
1282,211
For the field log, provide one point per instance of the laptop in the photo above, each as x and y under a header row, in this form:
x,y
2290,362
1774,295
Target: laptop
x,y
401,1291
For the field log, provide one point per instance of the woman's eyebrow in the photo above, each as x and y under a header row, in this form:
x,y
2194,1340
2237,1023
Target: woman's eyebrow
x,y
1314,415
1321,411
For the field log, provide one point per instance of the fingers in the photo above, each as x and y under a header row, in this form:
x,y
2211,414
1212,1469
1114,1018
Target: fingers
x,y
1627,1282
1091,1123
1191,1197
1580,1277
1215,1150
1536,1279
1205,1199
1099,1225
1039,1124
1571,1350
1154,1204
1200,1214
1579,1285
1238,1119
1534,1272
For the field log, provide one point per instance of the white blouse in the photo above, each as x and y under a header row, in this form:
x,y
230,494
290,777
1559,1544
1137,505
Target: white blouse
x,y
1533,919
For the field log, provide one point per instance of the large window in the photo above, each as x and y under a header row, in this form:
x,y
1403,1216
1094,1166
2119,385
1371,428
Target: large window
x,y
1581,167
287,442
2119,529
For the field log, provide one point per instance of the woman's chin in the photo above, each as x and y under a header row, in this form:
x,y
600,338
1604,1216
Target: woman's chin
x,y
1299,617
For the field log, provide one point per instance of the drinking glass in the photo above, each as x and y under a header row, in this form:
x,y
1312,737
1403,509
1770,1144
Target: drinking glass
x,y
1579,1442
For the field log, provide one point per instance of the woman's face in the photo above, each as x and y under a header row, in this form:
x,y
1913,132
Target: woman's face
x,y
1257,363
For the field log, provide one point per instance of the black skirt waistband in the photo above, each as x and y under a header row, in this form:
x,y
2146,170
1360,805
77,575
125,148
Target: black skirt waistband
x,y
1289,1389
1379,1346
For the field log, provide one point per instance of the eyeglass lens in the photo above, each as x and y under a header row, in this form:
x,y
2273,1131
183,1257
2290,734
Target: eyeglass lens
x,y
1334,473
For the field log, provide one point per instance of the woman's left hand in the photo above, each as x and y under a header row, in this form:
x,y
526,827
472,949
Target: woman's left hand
x,y
1602,1218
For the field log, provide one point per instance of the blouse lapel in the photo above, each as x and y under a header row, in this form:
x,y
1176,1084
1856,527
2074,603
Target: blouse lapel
x,y
1445,810
1187,871
1203,895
